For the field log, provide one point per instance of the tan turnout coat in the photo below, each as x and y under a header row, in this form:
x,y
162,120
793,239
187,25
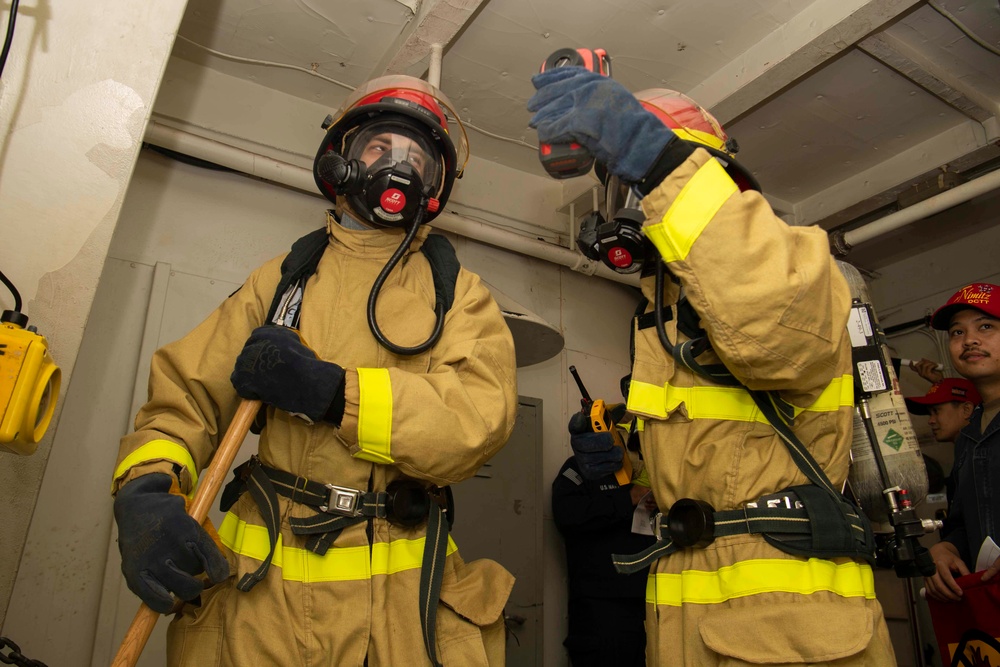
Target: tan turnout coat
x,y
435,417
775,308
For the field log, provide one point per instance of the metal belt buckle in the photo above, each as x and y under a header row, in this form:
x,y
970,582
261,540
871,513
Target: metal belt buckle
x,y
657,523
342,500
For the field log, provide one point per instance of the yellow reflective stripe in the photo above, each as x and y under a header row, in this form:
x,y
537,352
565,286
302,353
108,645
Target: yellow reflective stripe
x,y
838,394
158,450
696,204
700,136
375,415
752,577
401,555
726,403
729,403
338,564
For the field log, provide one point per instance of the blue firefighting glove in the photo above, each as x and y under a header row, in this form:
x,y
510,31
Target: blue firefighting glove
x,y
595,453
163,549
573,103
278,368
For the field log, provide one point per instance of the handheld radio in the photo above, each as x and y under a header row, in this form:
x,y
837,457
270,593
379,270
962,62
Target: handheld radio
x,y
599,420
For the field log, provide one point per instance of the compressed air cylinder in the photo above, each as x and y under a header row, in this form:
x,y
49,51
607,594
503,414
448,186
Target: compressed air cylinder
x,y
896,438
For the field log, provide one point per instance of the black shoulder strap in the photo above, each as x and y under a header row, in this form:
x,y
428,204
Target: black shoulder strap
x,y
444,267
777,412
300,262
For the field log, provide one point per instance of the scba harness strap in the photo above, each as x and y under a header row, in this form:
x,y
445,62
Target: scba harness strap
x,y
800,520
302,261
405,502
811,520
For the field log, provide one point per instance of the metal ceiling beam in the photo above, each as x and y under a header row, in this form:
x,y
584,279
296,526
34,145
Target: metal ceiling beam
x,y
810,38
940,64
953,144
884,49
436,22
869,208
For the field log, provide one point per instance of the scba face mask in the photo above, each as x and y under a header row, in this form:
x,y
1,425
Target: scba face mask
x,y
390,168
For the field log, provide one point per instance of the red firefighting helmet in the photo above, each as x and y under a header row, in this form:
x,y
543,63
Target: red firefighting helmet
x,y
404,105
693,123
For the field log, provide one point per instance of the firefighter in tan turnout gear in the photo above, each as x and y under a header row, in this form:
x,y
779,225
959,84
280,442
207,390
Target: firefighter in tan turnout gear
x,y
387,373
742,379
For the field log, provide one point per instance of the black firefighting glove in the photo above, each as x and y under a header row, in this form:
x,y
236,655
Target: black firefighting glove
x,y
596,454
163,549
278,368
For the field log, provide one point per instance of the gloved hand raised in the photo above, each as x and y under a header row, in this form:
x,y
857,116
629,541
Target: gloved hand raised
x,y
596,453
573,103
278,368
163,549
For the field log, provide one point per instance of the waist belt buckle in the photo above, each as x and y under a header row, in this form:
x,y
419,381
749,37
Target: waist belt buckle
x,y
656,522
342,500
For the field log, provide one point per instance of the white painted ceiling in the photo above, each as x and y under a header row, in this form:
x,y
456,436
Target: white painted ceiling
x,y
838,105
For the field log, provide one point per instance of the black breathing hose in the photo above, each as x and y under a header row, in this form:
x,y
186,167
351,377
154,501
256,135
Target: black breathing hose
x,y
10,36
377,287
661,330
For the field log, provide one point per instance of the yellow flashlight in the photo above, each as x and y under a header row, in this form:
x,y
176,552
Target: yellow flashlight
x,y
29,384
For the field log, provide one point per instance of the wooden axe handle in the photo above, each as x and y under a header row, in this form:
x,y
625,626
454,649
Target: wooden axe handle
x,y
208,488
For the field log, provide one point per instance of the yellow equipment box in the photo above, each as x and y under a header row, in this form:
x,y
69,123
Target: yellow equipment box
x,y
29,385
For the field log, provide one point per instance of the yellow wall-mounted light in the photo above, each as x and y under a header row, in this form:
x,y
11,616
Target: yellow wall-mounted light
x,y
29,384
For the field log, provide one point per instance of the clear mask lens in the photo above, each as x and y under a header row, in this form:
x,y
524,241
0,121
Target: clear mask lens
x,y
397,143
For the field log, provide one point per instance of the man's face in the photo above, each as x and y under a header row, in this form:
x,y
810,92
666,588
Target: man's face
x,y
400,148
974,344
947,419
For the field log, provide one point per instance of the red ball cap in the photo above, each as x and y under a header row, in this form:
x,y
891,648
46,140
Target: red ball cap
x,y
945,391
981,296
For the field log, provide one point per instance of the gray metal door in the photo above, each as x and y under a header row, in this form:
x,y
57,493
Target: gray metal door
x,y
498,515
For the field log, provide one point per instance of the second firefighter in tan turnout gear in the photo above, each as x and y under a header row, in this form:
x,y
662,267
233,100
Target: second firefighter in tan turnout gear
x,y
385,431
767,301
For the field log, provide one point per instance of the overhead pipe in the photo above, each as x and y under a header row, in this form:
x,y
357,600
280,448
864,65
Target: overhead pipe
x,y
842,242
293,176
434,67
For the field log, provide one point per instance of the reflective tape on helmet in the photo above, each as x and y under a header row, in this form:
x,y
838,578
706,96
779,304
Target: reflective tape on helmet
x,y
700,137
158,450
752,577
375,415
725,403
338,564
695,206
